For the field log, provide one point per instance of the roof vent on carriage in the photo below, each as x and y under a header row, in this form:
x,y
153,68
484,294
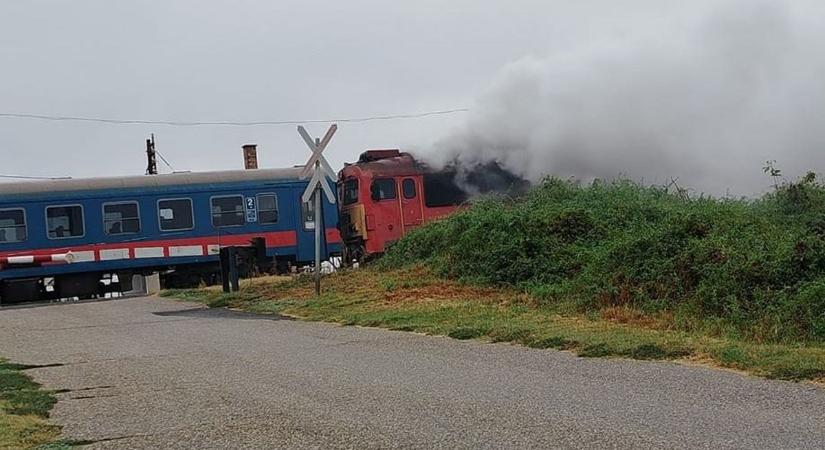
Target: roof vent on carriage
x,y
375,155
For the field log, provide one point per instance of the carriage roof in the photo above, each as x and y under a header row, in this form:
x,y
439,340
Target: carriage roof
x,y
149,181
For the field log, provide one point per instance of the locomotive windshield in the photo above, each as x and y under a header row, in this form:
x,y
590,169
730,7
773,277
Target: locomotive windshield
x,y
383,189
350,191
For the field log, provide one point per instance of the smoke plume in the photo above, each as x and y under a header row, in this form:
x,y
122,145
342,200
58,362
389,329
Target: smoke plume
x,y
707,102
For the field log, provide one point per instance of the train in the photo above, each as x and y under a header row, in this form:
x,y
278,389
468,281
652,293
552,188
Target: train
x,y
84,238
386,194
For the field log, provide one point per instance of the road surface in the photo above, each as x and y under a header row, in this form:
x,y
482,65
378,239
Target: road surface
x,y
155,373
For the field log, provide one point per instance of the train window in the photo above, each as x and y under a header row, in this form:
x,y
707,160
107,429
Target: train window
x,y
228,211
175,214
308,215
350,191
65,221
121,218
12,225
267,209
383,189
408,187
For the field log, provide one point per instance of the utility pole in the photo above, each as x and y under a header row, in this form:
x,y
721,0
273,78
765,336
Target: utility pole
x,y
151,156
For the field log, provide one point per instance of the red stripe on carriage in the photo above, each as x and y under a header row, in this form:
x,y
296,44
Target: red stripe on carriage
x,y
333,236
272,239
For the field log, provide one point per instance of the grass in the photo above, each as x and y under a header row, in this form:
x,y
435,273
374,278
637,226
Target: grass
x,y
24,408
414,298
603,270
751,269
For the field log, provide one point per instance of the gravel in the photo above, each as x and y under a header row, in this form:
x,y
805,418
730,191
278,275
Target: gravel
x,y
155,373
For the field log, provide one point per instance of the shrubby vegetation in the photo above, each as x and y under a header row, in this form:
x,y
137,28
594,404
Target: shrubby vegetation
x,y
750,268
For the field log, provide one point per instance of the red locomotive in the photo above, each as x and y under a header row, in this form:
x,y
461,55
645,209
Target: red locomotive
x,y
386,194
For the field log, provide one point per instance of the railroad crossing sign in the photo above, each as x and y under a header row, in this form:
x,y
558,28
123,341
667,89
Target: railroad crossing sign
x,y
318,165
320,170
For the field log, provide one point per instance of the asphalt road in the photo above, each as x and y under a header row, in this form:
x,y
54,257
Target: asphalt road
x,y
153,373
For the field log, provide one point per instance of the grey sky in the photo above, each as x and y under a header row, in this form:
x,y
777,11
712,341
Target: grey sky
x,y
271,60
707,97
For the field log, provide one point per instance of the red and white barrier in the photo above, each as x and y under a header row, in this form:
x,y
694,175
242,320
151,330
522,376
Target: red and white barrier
x,y
36,259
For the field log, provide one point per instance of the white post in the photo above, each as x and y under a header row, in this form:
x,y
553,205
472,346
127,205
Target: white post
x,y
318,232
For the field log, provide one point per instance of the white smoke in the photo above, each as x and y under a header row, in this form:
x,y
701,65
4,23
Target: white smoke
x,y
708,103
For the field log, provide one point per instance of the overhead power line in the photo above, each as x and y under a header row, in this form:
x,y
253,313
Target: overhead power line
x,y
227,123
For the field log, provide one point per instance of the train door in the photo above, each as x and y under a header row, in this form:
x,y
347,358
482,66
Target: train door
x,y
305,229
387,207
411,210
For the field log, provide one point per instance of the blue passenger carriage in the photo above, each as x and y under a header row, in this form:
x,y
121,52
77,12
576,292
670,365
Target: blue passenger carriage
x,y
59,237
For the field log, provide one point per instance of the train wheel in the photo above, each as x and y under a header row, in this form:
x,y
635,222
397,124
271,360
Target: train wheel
x,y
357,254
282,267
81,285
20,291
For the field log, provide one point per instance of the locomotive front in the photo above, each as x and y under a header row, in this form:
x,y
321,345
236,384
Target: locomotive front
x,y
352,219
383,196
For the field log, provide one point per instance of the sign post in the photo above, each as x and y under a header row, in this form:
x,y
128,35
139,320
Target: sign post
x,y
318,226
320,170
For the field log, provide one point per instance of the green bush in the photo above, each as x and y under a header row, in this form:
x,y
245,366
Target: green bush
x,y
753,267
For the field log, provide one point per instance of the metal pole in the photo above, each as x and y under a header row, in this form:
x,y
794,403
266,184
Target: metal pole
x,y
233,269
318,194
225,270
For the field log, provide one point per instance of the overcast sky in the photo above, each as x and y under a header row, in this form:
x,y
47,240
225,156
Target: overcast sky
x,y
263,60
270,60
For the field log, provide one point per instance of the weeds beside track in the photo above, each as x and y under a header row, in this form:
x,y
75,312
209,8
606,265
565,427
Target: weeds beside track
x,y
414,299
607,269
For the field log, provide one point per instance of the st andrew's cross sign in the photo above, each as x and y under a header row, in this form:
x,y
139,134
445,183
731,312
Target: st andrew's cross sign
x,y
317,165
319,169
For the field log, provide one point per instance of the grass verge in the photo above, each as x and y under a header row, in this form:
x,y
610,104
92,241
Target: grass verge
x,y
24,408
413,299
749,268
